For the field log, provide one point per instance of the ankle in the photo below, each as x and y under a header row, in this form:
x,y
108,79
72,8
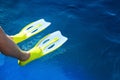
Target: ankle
x,y
25,56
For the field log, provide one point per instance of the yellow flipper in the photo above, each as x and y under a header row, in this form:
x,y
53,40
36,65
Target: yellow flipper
x,y
30,30
45,46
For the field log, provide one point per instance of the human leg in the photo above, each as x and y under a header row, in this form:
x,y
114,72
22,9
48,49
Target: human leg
x,y
9,48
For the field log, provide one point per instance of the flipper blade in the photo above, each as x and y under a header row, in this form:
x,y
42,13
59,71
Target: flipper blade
x,y
52,42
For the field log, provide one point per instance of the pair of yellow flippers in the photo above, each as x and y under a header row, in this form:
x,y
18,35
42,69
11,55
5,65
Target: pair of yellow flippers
x,y
45,46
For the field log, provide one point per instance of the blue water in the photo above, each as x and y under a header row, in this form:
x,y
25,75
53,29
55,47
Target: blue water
x,y
92,51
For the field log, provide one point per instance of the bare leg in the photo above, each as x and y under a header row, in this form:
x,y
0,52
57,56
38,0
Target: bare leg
x,y
9,48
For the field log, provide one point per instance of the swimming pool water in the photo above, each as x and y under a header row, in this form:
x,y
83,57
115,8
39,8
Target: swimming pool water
x,y
92,51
